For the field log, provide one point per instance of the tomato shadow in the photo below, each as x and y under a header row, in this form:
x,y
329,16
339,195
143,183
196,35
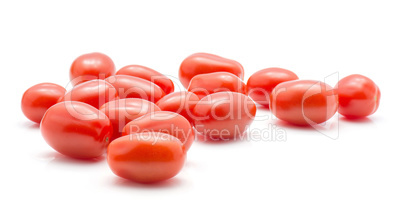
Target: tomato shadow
x,y
285,124
57,158
30,125
124,183
206,140
356,120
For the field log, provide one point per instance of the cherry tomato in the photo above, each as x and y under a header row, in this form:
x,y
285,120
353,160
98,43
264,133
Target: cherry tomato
x,y
202,63
261,83
148,74
37,99
133,87
76,129
122,111
182,103
94,92
303,102
146,157
358,96
91,66
206,84
224,115
165,122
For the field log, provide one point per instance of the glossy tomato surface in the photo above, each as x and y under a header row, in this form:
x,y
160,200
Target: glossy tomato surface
x,y
134,87
224,115
120,112
303,102
182,102
91,66
76,129
358,96
261,83
202,63
37,99
148,74
165,122
94,92
206,84
146,157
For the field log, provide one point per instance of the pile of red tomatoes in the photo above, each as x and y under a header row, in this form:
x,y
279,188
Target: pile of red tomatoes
x,y
145,128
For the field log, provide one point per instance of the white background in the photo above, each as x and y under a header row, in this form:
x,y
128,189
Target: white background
x,y
350,167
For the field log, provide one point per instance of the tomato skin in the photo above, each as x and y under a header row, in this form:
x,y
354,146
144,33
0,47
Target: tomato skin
x,y
202,63
206,84
303,102
148,74
224,115
261,83
38,98
358,96
76,129
165,122
146,157
121,112
182,102
133,87
95,93
91,66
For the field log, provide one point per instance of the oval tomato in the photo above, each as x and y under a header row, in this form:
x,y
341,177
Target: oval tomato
x,y
37,99
146,157
133,87
148,74
76,129
202,63
182,103
261,83
165,122
91,66
358,96
206,84
303,102
120,112
224,115
94,92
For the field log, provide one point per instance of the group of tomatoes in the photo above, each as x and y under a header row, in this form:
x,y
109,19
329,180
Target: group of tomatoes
x,y
146,128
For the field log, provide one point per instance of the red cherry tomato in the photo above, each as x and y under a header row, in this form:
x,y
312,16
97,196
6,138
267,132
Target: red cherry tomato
x,y
165,122
224,115
148,74
261,83
358,96
76,129
303,102
182,103
91,66
206,84
133,87
202,63
94,92
146,157
37,99
120,112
